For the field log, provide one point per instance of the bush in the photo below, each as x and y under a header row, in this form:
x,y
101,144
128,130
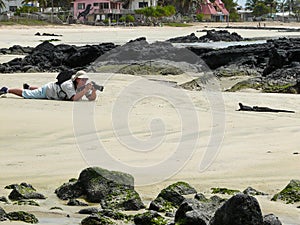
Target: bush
x,y
122,19
129,18
199,17
26,9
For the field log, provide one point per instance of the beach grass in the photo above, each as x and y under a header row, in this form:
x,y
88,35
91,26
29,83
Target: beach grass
x,y
24,21
178,24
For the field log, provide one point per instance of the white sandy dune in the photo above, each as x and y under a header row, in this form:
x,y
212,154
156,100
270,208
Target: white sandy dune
x,y
156,132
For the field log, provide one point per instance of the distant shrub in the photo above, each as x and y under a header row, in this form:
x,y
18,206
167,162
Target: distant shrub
x,y
122,19
199,17
26,9
129,18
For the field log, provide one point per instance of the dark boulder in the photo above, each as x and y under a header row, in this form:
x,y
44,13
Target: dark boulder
x,y
221,35
112,189
191,211
24,191
3,215
252,191
149,217
91,210
75,202
69,190
271,219
171,197
240,209
96,219
22,216
4,199
191,38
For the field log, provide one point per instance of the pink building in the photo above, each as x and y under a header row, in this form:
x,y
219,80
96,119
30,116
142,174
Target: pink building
x,y
96,10
214,11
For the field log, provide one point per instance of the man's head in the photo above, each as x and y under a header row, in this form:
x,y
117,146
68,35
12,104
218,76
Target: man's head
x,y
80,75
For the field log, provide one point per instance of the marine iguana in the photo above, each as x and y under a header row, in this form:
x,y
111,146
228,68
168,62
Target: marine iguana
x,y
261,109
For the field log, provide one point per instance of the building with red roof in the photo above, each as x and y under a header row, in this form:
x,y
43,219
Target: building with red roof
x,y
214,11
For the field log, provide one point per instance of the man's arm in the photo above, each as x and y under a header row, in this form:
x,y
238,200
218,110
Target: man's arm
x,y
81,93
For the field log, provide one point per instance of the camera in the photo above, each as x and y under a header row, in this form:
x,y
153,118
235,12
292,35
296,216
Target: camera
x,y
97,86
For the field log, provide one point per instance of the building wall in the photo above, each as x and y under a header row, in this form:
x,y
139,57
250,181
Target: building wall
x,y
100,9
138,4
11,5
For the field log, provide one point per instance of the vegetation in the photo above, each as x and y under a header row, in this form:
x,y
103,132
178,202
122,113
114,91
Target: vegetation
x,y
224,191
24,21
290,194
199,17
178,24
269,7
2,4
154,14
26,9
231,7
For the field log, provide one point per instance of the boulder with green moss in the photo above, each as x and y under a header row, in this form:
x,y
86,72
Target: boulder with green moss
x,y
23,191
70,190
26,202
171,197
95,219
149,217
22,216
290,194
112,189
227,191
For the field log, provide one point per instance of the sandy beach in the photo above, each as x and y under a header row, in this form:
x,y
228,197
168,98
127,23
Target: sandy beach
x,y
41,143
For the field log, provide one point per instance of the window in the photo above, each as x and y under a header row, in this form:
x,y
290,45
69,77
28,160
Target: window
x,y
104,5
143,4
96,3
114,5
81,6
13,8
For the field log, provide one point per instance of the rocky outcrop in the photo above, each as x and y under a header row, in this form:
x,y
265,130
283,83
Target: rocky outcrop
x,y
106,217
240,209
212,35
290,194
16,50
171,197
252,191
192,211
150,217
271,219
112,189
23,191
47,57
22,216
3,215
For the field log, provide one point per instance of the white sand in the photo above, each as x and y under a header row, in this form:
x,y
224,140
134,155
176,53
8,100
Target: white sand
x,y
38,144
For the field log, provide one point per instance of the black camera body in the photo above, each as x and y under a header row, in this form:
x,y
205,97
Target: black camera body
x,y
97,86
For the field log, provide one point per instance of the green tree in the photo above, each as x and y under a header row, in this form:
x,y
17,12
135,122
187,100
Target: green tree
x,y
231,7
272,5
250,4
2,5
156,12
260,9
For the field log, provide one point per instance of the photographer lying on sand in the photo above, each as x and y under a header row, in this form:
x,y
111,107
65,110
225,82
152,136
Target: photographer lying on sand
x,y
72,89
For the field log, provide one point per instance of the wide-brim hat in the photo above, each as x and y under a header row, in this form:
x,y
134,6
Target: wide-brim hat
x,y
80,74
